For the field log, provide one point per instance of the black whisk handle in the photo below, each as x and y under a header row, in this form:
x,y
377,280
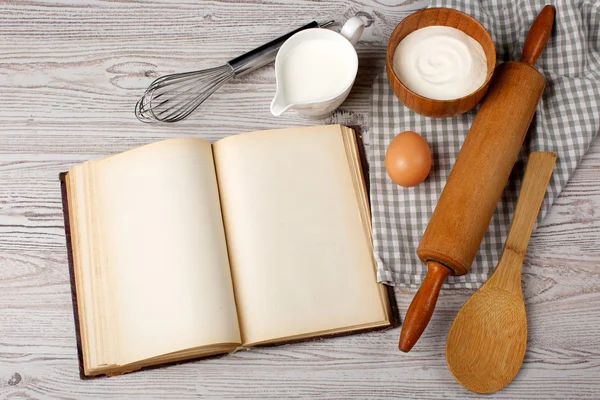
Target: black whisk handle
x,y
264,54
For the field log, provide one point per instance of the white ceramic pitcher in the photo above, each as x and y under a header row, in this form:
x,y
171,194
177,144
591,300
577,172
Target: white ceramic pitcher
x,y
345,41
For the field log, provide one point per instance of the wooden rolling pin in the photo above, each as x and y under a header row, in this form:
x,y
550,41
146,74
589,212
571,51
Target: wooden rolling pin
x,y
478,176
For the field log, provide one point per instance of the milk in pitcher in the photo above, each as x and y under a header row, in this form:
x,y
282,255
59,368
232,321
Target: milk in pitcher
x,y
312,71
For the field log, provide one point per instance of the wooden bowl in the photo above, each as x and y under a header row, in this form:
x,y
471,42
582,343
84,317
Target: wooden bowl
x,y
444,17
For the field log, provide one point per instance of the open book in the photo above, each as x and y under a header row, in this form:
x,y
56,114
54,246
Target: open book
x,y
182,249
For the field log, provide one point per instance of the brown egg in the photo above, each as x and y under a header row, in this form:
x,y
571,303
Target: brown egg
x,y
408,159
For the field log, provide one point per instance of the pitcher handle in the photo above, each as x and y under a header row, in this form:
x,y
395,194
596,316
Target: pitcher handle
x,y
353,29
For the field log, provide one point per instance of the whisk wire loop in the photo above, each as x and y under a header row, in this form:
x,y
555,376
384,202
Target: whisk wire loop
x,y
171,98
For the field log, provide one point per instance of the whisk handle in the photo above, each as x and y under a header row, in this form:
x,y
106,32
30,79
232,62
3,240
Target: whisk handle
x,y
264,54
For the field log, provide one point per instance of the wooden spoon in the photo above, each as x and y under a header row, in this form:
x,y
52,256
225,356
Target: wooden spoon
x,y
487,340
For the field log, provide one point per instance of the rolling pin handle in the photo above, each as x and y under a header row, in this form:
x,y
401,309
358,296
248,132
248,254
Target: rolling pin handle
x,y
422,306
538,35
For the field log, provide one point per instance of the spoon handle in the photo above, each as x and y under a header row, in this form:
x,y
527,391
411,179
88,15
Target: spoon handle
x,y
535,181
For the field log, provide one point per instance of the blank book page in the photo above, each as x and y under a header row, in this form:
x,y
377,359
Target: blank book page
x,y
300,259
165,245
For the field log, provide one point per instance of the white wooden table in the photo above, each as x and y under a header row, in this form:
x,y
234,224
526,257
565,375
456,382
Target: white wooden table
x,y
70,73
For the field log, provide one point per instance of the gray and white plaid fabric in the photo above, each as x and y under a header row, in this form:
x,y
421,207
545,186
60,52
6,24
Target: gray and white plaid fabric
x,y
566,122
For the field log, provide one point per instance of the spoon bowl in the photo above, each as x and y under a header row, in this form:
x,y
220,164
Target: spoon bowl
x,y
492,326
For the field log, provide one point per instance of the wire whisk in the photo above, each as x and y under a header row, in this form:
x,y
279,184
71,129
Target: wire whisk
x,y
172,98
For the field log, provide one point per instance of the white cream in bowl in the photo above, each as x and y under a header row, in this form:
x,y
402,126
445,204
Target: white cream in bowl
x,y
440,62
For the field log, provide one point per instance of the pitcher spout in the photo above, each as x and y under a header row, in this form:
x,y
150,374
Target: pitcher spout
x,y
279,104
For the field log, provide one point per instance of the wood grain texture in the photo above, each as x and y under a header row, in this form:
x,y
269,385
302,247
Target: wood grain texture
x,y
482,168
70,74
487,340
476,182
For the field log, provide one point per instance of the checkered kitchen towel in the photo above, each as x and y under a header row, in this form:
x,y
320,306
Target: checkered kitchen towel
x,y
566,122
